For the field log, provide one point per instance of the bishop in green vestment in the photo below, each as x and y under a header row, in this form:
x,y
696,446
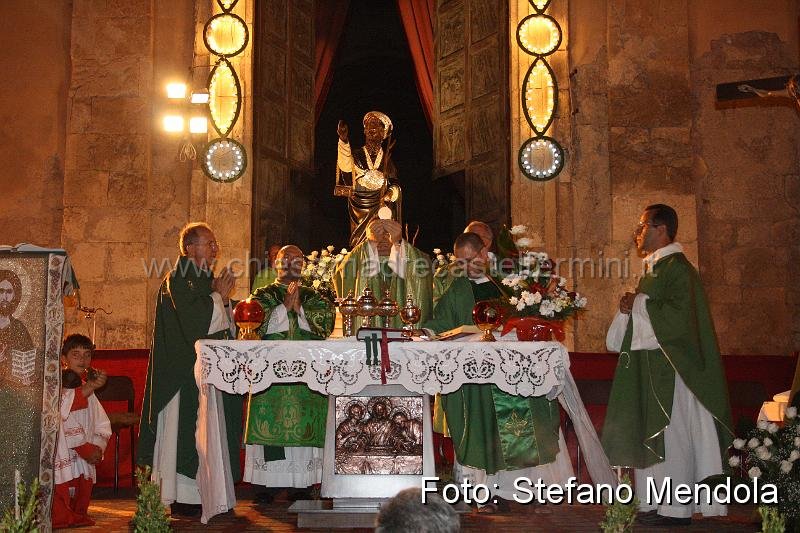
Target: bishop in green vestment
x,y
286,423
385,261
192,304
492,431
668,413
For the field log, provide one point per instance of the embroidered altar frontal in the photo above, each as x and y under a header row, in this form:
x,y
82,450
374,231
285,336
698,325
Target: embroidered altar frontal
x,y
31,327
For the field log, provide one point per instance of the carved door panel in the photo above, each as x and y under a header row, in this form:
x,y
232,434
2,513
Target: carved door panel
x,y
283,120
471,103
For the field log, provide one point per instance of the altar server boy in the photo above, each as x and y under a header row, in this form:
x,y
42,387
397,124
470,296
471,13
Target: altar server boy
x,y
82,435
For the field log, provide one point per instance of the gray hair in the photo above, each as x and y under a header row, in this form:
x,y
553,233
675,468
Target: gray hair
x,y
406,512
190,235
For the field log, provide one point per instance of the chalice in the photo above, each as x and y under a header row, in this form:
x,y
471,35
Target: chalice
x,y
367,307
409,314
387,308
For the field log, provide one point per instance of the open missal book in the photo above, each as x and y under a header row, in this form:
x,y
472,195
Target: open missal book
x,y
457,333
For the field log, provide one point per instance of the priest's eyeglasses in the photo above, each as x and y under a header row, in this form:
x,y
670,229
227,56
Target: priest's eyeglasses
x,y
210,244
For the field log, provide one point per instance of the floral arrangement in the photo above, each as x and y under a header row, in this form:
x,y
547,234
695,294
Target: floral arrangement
x,y
441,260
319,269
532,288
770,453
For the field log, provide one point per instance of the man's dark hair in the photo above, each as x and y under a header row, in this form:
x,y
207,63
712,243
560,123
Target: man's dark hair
x,y
190,235
76,340
406,512
16,284
664,214
473,240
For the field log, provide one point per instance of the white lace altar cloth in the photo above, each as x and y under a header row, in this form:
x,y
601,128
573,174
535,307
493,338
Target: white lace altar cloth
x,y
340,367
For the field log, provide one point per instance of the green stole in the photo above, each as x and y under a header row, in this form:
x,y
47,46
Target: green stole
x,y
290,415
640,404
352,275
183,314
493,430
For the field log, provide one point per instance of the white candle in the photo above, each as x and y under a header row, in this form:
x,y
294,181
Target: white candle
x,y
17,480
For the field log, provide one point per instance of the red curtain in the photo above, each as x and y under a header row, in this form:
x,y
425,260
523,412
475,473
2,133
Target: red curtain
x,y
417,16
329,21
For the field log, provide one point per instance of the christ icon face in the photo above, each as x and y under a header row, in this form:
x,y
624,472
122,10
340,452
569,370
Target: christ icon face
x,y
6,298
379,410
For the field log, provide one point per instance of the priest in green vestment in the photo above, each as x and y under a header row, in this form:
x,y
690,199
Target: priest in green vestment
x,y
444,275
442,279
192,304
386,261
497,437
668,413
286,423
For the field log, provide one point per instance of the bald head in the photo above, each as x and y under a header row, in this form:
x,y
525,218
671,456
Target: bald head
x,y
483,231
289,263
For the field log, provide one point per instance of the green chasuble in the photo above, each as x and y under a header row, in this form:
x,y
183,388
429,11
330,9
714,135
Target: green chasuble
x,y
640,404
442,279
355,272
183,315
290,415
492,430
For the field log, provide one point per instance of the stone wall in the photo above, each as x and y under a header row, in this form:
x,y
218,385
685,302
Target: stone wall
x,y
745,167
36,37
96,173
125,194
641,126
87,166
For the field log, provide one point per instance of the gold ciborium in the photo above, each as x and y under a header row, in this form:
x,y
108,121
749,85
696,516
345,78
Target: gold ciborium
x,y
387,308
409,314
367,307
348,308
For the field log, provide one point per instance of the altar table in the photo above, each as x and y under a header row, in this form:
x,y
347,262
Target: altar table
x,y
339,367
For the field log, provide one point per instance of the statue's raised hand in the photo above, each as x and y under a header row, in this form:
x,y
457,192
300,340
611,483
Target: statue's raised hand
x,y
343,131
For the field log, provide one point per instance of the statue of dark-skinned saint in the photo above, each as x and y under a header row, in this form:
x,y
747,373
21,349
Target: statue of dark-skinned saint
x,y
367,176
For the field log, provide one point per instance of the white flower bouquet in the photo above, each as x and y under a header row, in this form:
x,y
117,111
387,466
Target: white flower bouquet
x,y
532,287
319,269
771,453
